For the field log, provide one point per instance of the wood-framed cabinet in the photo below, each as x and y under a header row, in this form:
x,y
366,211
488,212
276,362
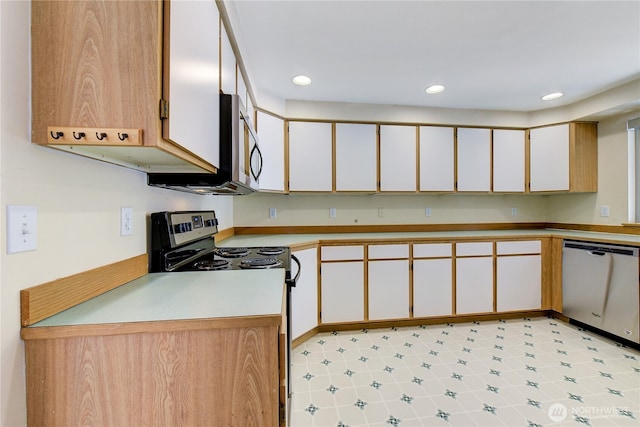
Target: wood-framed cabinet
x,y
271,130
113,98
473,169
437,159
310,149
356,157
564,158
398,158
389,281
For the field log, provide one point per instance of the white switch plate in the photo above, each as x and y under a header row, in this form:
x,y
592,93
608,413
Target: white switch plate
x,y
273,212
126,221
604,211
332,212
514,211
427,211
22,229
380,212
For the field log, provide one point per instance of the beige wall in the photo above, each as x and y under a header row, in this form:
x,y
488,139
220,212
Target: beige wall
x,y
612,180
78,203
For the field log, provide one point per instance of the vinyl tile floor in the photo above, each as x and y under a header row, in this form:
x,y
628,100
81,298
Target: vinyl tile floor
x,y
525,372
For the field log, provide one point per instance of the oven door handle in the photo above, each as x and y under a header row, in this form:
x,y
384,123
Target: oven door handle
x,y
294,281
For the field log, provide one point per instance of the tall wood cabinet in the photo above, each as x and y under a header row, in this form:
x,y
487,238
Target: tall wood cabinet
x,y
98,69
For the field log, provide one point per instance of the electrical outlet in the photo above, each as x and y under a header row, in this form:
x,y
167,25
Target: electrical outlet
x,y
273,212
126,221
380,212
514,211
427,211
21,228
332,212
604,211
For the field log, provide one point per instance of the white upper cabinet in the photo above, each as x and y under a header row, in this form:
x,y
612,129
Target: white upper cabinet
x,y
194,102
549,157
437,170
508,160
228,65
356,158
270,131
397,158
474,159
310,156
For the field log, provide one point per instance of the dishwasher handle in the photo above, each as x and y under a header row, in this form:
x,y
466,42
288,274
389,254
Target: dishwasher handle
x,y
596,253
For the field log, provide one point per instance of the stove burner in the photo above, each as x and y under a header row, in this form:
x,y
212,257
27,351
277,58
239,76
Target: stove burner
x,y
212,264
271,251
265,262
232,252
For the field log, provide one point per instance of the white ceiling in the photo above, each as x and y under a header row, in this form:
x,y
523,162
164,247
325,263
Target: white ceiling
x,y
491,55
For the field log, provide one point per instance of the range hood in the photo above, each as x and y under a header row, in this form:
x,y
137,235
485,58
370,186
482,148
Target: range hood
x,y
240,158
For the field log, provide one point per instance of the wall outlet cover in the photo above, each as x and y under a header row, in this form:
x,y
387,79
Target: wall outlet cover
x,y
126,221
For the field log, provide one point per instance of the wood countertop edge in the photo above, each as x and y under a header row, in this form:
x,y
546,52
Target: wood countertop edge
x,y
159,326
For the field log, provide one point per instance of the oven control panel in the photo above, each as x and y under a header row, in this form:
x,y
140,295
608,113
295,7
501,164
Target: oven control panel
x,y
188,226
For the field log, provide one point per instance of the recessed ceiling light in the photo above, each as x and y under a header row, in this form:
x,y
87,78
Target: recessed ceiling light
x,y
434,89
554,95
302,80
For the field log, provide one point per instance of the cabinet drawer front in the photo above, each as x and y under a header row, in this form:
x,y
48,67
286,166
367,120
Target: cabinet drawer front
x,y
525,247
339,253
474,249
388,251
431,250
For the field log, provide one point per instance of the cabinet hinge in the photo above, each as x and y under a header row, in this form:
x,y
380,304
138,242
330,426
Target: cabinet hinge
x,y
283,414
164,109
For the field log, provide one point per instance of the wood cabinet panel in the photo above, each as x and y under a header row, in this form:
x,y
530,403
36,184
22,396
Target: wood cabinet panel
x,y
173,378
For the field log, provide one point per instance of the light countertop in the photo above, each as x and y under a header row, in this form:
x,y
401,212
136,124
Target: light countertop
x,y
299,239
181,296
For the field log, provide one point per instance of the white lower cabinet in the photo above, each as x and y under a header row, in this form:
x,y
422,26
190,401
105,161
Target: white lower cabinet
x,y
519,275
342,292
304,296
388,289
474,285
432,287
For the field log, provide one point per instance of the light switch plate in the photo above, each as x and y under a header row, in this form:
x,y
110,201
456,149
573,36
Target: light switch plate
x,y
604,211
273,212
22,228
332,212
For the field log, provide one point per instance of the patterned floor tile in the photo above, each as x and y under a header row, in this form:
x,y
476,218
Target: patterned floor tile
x,y
529,372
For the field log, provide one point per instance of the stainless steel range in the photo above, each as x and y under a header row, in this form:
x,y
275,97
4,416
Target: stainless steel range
x,y
184,241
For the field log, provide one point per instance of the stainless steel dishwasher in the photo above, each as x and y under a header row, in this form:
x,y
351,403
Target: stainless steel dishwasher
x,y
600,287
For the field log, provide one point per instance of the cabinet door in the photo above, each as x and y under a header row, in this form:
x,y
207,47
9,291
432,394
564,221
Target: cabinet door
x,y
271,140
474,285
227,65
519,283
432,287
474,159
194,101
304,297
342,292
356,158
549,158
436,158
388,288
310,156
397,158
508,160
